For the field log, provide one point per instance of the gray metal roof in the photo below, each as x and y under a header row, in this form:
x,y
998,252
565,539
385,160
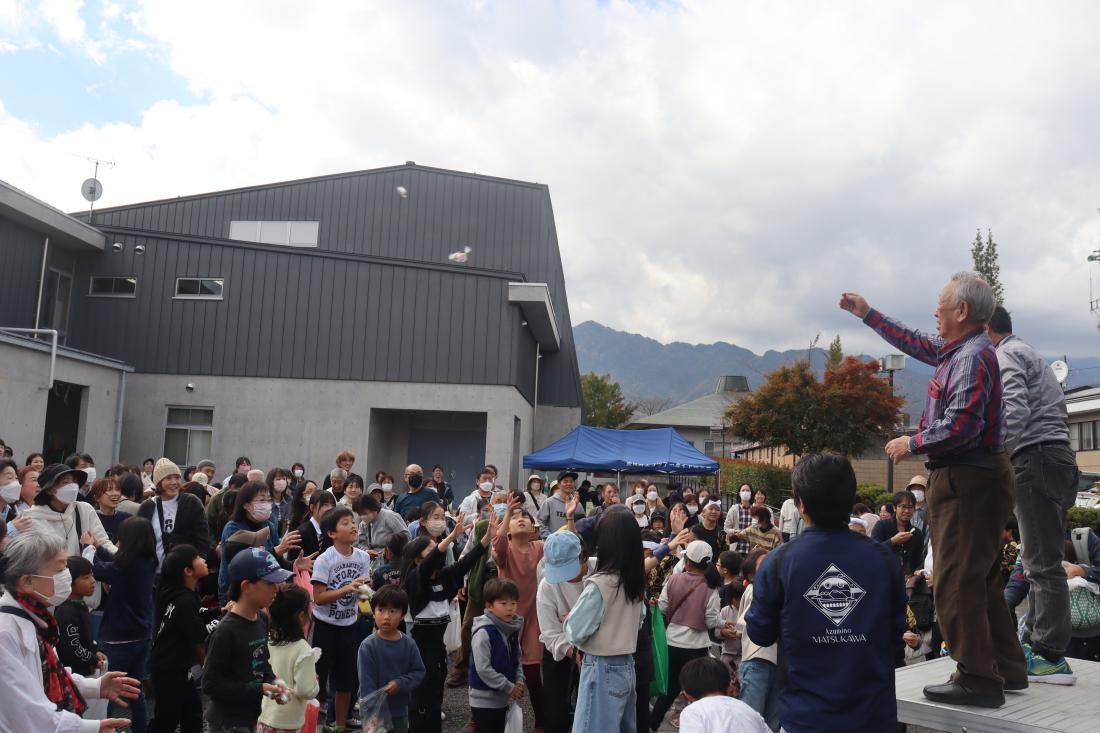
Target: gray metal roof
x,y
62,229
705,412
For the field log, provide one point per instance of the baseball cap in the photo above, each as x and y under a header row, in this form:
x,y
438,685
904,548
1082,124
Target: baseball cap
x,y
256,563
698,551
561,554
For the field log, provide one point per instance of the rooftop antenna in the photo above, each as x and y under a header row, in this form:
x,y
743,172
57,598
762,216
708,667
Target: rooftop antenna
x,y
92,189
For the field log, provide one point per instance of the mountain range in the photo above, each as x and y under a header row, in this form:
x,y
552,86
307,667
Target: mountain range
x,y
664,375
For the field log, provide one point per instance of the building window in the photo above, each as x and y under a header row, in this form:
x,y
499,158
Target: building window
x,y
113,287
1082,436
286,233
200,288
188,434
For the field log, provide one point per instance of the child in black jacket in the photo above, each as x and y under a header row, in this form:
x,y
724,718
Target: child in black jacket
x,y
180,641
431,586
77,649
237,673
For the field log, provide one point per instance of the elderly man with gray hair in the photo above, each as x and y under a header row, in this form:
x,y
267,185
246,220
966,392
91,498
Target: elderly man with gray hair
x,y
971,488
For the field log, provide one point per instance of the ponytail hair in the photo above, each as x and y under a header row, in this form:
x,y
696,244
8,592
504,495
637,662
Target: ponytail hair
x,y
708,569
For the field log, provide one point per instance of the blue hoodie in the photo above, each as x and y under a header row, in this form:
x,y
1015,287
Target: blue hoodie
x,y
836,601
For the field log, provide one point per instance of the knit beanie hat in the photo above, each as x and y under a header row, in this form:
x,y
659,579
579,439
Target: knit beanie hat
x,y
164,469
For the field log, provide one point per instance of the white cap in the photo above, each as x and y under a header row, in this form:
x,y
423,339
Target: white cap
x,y
697,551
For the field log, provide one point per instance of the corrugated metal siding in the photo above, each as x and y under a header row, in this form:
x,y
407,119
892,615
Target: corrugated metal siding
x,y
411,314
20,267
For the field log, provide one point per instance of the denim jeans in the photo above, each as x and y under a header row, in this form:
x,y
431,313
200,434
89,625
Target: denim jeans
x,y
1046,487
760,689
129,657
606,697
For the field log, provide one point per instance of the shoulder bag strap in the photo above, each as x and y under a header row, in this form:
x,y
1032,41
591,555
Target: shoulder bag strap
x,y
17,612
160,519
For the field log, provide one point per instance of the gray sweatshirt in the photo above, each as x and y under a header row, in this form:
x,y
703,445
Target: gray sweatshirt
x,y
551,516
1035,406
377,534
482,653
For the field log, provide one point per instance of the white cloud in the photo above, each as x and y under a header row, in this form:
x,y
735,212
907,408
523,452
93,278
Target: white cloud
x,y
718,171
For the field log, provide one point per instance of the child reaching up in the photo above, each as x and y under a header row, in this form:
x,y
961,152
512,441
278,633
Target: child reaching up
x,y
705,682
496,675
389,659
292,661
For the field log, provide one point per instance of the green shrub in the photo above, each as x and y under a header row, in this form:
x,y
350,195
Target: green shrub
x,y
873,495
774,480
1080,517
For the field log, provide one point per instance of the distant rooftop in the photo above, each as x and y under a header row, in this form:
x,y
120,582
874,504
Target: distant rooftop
x,y
705,412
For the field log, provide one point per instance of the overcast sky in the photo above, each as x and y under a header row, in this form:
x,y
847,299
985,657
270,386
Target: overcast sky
x,y
719,170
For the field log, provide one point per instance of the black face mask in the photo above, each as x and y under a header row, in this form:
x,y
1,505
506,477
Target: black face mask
x,y
415,481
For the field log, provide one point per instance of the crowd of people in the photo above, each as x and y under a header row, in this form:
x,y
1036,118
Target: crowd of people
x,y
270,601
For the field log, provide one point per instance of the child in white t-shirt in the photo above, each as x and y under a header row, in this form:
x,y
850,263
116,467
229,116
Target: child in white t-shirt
x,y
338,575
706,683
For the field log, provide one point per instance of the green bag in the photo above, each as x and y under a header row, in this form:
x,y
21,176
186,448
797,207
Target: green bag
x,y
1084,609
659,685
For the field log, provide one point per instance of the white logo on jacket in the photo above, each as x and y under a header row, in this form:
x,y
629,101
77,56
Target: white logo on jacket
x,y
834,594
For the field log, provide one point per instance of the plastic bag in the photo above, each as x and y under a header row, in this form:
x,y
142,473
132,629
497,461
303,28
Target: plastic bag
x,y
514,722
452,637
313,709
659,685
97,707
375,713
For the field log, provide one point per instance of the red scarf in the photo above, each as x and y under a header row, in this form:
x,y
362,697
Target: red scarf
x,y
56,680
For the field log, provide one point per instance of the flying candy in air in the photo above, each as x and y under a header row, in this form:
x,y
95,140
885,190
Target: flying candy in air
x,y
402,192
461,256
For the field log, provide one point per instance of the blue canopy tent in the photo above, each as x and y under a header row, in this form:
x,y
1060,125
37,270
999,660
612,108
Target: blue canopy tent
x,y
660,450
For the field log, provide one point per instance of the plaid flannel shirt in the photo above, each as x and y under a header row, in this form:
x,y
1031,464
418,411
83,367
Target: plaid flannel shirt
x,y
964,409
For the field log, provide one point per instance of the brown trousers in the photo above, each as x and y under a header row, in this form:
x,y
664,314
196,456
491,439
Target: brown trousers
x,y
968,508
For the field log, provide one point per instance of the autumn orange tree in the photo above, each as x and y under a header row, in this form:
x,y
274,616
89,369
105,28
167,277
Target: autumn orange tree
x,y
846,413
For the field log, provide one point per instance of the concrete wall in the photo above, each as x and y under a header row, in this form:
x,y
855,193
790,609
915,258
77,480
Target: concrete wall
x,y
279,421
24,376
554,423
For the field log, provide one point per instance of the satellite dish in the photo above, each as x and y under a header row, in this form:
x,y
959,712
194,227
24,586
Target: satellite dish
x,y
91,190
1061,371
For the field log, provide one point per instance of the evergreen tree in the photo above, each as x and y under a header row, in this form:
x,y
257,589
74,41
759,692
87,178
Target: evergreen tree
x,y
835,356
984,255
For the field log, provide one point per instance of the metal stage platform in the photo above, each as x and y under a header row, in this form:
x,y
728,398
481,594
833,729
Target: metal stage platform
x,y
1060,708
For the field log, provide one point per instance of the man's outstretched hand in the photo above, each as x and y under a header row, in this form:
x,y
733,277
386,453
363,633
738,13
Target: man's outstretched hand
x,y
855,304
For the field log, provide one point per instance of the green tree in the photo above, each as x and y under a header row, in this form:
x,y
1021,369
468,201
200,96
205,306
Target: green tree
x,y
986,264
604,405
846,413
835,356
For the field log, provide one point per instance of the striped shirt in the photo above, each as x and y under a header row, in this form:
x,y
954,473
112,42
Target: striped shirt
x,y
964,409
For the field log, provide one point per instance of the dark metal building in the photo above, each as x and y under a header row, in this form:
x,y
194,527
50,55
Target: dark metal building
x,y
295,319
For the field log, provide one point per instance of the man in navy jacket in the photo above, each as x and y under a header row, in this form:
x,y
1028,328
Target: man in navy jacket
x,y
835,601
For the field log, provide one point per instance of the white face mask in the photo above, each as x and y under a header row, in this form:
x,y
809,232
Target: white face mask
x,y
639,508
261,511
652,496
279,484
10,492
90,470
436,527
62,587
298,473
485,487
67,494
387,488
919,495
746,496
693,508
